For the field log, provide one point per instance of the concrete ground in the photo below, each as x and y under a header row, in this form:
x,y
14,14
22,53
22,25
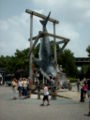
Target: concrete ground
x,y
30,109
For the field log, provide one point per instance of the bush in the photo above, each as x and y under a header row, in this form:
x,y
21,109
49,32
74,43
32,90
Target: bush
x,y
72,80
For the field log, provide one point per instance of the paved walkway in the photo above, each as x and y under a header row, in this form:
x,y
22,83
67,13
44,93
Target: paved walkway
x,y
30,109
74,95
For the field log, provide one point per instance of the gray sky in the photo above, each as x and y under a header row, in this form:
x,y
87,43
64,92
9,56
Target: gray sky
x,y
73,15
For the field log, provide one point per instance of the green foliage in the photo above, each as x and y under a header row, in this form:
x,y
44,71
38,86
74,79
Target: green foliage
x,y
36,51
72,79
86,70
68,63
20,60
88,50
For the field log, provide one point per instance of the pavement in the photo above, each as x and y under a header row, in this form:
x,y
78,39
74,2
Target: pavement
x,y
71,94
74,95
63,108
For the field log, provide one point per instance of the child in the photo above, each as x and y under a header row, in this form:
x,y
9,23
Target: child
x,y
46,95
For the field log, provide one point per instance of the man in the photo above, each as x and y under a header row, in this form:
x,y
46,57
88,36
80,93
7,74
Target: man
x,y
88,84
52,83
78,85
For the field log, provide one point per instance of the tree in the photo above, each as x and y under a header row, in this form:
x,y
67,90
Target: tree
x,y
13,63
86,68
88,50
68,63
20,60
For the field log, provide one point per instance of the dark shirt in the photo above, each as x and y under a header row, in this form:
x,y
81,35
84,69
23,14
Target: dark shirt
x,y
88,84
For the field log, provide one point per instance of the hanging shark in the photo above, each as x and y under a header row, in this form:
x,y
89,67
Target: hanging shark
x,y
45,63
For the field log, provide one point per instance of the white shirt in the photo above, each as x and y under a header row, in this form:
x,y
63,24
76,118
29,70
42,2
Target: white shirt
x,y
46,90
20,83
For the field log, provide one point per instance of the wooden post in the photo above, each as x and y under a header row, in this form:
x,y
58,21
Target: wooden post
x,y
55,53
31,49
31,33
55,58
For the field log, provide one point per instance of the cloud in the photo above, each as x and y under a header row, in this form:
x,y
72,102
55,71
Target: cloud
x,y
72,10
74,17
3,25
50,2
14,34
69,31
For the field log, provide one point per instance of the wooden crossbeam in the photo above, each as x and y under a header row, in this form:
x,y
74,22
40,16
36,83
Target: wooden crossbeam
x,y
41,34
59,42
52,35
64,45
35,37
41,16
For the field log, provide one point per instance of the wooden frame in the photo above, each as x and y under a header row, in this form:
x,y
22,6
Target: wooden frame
x,y
36,38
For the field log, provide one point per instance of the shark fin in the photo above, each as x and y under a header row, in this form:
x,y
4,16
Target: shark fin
x,y
44,22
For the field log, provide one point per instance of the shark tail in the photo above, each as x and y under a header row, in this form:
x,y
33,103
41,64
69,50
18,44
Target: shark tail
x,y
44,22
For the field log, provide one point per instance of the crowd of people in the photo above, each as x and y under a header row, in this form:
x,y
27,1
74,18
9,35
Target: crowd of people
x,y
23,86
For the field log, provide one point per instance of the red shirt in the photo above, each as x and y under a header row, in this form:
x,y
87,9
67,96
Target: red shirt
x,y
85,87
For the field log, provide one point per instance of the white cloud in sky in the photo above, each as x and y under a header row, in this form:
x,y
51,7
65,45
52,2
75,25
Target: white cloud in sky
x,y
3,25
73,10
14,34
74,17
68,31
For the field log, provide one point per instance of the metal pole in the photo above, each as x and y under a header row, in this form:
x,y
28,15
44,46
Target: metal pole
x,y
31,32
55,53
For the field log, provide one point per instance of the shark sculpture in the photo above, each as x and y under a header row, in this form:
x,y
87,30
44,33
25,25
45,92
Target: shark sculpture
x,y
45,63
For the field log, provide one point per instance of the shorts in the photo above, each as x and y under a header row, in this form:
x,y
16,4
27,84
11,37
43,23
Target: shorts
x,y
20,89
45,97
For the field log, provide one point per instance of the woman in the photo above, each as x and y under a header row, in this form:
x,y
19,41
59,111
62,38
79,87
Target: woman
x,y
83,91
14,87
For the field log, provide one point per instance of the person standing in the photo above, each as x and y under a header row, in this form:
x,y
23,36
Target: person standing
x,y
14,87
30,87
52,83
88,84
78,85
83,91
46,95
85,88
20,87
53,88
24,87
